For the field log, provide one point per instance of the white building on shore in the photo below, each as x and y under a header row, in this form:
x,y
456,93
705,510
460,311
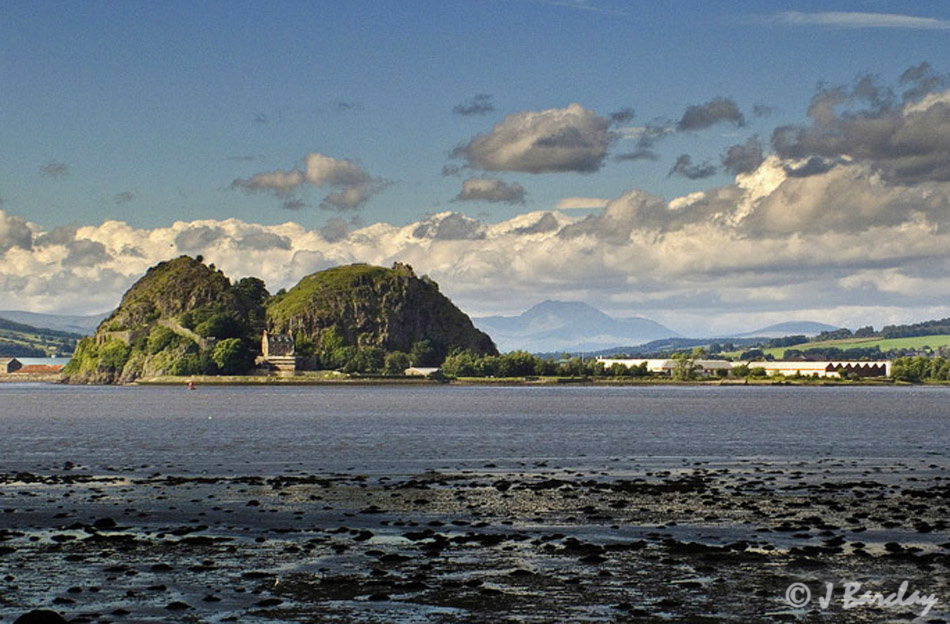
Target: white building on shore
x,y
712,368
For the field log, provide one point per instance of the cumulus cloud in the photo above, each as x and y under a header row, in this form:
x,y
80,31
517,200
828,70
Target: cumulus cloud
x,y
545,224
351,186
54,170
83,252
14,232
198,237
449,226
335,230
743,158
716,110
907,143
491,190
57,236
684,167
263,241
554,140
832,236
480,104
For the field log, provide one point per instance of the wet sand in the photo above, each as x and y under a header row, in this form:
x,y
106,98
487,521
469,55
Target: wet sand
x,y
664,540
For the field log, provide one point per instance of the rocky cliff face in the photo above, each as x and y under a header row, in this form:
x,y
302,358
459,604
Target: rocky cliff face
x,y
168,290
368,306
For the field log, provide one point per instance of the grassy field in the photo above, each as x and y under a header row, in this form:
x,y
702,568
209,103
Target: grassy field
x,y
916,342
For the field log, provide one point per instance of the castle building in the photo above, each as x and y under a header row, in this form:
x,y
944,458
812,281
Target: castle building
x,y
277,352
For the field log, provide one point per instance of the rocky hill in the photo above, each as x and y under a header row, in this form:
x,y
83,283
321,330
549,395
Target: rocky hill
x,y
368,306
183,317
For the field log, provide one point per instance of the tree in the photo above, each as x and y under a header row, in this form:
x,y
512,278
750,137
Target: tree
x,y
366,360
231,356
423,353
252,290
396,363
220,325
159,338
113,356
460,364
682,367
517,364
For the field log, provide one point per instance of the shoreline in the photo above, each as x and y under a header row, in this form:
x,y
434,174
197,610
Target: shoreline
x,y
325,380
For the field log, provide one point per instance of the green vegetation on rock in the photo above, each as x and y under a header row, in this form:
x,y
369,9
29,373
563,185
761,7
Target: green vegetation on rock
x,y
182,318
360,306
187,318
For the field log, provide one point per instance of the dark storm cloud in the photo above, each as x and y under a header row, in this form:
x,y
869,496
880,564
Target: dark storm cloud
x,y
921,80
907,144
743,158
480,104
684,167
717,110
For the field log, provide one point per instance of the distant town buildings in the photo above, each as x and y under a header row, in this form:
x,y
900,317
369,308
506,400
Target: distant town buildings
x,y
712,368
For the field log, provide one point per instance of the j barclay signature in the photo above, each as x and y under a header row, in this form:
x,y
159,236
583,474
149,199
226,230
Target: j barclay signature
x,y
798,595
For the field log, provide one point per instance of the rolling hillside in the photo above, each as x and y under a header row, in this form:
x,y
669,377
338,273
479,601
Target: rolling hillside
x,y
884,344
19,340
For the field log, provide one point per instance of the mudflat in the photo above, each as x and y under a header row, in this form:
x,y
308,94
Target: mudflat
x,y
659,540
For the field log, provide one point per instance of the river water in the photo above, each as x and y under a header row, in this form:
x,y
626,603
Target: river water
x,y
242,430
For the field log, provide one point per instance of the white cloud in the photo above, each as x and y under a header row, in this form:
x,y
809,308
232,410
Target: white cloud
x,y
581,203
832,247
352,185
842,19
552,140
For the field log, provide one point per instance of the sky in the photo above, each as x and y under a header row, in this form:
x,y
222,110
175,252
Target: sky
x,y
715,167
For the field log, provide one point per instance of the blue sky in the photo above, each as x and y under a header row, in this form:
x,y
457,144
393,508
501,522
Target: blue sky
x,y
152,113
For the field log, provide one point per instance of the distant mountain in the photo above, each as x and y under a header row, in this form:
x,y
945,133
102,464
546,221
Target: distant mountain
x,y
84,325
791,328
568,326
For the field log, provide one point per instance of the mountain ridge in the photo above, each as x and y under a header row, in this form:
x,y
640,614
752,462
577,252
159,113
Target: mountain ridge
x,y
553,325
